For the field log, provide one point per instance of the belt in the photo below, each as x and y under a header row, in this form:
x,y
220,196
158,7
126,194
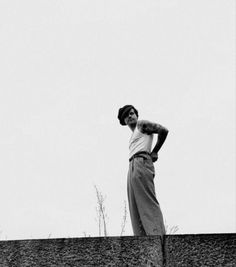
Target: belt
x,y
139,154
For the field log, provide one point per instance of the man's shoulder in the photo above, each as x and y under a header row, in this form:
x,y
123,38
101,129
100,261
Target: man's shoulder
x,y
142,122
149,127
143,125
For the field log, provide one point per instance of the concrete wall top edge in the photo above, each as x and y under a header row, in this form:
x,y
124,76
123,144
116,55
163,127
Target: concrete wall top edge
x,y
122,237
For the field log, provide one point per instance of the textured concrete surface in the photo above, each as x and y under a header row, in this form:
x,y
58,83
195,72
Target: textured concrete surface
x,y
73,252
213,250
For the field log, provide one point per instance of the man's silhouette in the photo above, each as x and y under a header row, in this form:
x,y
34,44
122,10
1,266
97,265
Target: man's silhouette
x,y
145,212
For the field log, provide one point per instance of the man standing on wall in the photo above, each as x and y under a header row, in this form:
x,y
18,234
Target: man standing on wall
x,y
145,212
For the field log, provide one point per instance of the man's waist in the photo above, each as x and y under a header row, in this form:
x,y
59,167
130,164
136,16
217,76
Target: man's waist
x,y
139,154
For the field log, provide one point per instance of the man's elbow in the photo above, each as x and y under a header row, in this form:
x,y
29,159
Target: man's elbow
x,y
164,131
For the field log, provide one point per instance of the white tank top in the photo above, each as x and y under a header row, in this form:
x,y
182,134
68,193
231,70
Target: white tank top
x,y
139,142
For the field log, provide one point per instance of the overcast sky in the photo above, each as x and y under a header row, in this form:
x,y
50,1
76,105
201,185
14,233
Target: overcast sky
x,y
68,66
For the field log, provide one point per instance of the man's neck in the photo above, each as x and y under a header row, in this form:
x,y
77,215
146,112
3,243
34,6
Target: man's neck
x,y
132,127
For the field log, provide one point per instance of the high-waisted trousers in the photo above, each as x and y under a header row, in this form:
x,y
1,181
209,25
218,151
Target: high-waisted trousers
x,y
145,212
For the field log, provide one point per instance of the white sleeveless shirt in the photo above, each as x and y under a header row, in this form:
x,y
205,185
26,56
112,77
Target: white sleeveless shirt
x,y
140,142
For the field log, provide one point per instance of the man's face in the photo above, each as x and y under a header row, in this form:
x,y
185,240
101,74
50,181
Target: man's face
x,y
131,118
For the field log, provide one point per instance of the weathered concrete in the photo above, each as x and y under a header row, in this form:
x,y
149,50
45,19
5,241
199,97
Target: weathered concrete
x,y
110,251
213,250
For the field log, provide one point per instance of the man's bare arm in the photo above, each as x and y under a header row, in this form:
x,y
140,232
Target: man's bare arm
x,y
154,128
160,140
148,127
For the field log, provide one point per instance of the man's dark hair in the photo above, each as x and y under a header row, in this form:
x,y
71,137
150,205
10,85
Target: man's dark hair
x,y
123,112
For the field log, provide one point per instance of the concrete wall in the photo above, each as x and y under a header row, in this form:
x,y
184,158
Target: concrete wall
x,y
178,250
111,251
200,250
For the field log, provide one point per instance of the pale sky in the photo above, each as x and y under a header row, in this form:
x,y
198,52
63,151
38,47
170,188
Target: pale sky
x,y
68,66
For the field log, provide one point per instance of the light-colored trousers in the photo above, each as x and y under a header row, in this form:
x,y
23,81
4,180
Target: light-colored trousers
x,y
145,212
